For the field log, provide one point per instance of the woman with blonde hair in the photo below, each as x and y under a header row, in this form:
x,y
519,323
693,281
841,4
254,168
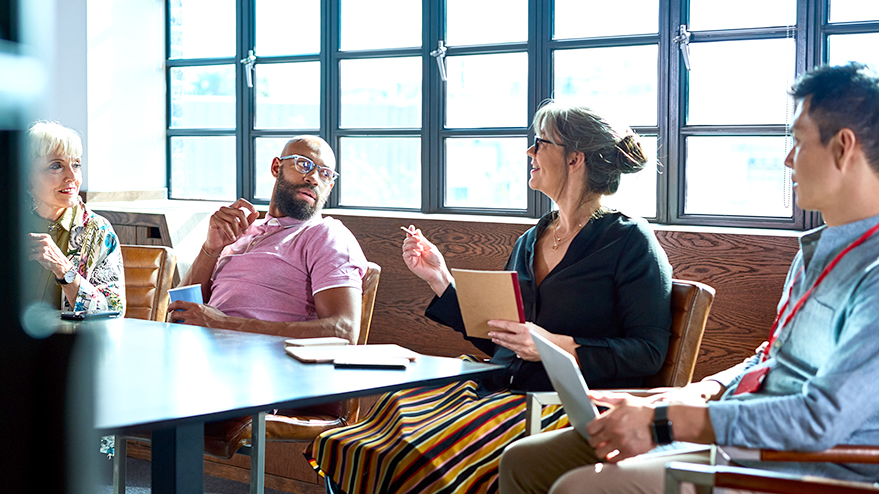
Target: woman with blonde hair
x,y
78,250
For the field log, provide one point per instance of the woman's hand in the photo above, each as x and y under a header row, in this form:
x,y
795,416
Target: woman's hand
x,y
516,337
425,260
43,250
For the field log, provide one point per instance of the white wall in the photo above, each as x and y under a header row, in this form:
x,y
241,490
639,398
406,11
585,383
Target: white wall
x,y
65,56
126,95
106,80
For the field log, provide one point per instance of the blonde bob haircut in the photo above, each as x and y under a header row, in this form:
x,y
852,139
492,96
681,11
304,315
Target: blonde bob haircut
x,y
45,138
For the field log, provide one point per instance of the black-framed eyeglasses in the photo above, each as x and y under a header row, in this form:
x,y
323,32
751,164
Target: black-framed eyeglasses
x,y
538,140
305,166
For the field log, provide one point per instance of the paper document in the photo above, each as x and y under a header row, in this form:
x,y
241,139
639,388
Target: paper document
x,y
329,354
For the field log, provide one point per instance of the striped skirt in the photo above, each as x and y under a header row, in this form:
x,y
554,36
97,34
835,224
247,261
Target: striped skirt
x,y
438,440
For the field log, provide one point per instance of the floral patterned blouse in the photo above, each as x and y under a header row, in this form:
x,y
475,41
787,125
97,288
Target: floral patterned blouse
x,y
93,248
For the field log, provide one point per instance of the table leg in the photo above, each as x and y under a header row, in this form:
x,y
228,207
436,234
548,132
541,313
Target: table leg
x,y
178,460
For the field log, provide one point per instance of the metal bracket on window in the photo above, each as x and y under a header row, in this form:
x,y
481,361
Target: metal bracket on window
x,y
249,62
440,55
683,41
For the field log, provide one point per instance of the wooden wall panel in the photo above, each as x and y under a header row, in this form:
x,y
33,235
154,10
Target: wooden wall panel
x,y
747,271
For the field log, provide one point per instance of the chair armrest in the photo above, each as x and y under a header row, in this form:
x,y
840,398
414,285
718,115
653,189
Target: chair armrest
x,y
837,454
751,479
534,401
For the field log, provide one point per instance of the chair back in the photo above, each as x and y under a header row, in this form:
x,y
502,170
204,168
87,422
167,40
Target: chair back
x,y
690,303
149,271
370,286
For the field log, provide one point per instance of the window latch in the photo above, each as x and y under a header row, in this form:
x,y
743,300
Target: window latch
x,y
248,62
683,41
440,55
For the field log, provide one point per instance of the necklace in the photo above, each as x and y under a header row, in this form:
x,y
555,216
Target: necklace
x,y
555,227
557,240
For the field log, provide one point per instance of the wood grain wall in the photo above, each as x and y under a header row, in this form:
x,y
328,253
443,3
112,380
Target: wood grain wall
x,y
747,271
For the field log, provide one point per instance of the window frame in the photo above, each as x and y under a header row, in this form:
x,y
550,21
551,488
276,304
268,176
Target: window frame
x,y
810,34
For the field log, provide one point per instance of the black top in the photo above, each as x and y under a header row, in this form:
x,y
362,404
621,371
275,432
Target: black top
x,y
611,292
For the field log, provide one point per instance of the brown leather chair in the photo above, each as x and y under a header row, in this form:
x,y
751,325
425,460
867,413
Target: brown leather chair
x,y
690,303
753,479
149,271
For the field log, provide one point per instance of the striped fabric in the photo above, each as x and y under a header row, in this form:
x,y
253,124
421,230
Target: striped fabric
x,y
437,440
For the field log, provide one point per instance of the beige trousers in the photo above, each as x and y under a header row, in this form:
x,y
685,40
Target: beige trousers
x,y
562,462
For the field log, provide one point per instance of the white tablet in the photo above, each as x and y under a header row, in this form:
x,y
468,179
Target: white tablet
x,y
568,382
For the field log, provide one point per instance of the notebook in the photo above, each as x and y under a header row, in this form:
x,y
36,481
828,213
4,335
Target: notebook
x,y
568,382
487,295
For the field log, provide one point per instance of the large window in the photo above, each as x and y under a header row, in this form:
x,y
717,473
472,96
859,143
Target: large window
x,y
429,108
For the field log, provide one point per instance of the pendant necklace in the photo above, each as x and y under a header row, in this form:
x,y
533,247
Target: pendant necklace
x,y
555,226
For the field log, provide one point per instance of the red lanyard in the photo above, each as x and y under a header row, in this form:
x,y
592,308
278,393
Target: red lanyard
x,y
776,329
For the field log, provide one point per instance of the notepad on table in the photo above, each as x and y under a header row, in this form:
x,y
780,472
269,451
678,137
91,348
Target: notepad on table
x,y
318,341
487,295
329,354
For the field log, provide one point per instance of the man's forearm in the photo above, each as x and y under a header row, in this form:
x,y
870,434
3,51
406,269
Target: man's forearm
x,y
691,423
342,327
200,273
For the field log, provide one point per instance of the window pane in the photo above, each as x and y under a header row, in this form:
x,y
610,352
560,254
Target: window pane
x,y
853,47
381,172
276,36
637,192
381,92
380,24
487,173
740,82
707,15
618,83
203,97
203,168
740,176
265,149
579,19
287,95
466,21
202,28
853,10
487,91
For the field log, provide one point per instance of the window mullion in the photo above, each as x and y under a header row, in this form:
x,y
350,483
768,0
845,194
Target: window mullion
x,y
244,102
433,167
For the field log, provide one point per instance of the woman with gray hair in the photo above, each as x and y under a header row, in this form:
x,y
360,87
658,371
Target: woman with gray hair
x,y
78,249
594,281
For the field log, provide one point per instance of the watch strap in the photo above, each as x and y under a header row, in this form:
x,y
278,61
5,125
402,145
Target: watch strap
x,y
68,277
662,430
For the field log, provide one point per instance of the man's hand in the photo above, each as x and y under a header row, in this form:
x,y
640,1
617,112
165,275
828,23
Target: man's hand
x,y
624,430
227,224
195,314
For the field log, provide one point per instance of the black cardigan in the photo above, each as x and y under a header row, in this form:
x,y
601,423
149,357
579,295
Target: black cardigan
x,y
611,292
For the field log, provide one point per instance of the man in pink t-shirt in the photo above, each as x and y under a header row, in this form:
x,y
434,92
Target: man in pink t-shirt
x,y
295,273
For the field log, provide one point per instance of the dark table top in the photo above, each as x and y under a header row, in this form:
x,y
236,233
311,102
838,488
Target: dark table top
x,y
150,375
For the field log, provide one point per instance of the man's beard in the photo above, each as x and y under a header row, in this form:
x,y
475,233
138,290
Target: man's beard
x,y
287,200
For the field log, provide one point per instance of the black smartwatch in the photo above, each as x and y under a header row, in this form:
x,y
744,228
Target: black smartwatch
x,y
662,433
68,277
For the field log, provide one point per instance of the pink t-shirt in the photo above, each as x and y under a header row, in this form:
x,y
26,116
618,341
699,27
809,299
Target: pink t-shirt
x,y
272,272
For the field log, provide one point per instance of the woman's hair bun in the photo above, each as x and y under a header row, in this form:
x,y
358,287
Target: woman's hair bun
x,y
630,157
